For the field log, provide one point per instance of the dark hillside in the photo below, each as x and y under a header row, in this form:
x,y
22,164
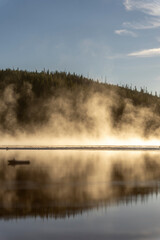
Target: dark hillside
x,y
31,99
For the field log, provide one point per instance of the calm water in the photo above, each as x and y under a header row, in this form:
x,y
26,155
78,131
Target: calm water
x,y
80,195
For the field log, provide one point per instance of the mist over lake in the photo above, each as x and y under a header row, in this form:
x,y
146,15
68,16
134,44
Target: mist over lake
x,y
78,158
79,119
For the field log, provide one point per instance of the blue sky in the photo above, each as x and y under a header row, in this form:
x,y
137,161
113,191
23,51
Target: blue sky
x,y
117,40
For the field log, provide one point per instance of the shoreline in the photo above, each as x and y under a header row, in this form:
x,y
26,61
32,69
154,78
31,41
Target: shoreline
x,y
82,147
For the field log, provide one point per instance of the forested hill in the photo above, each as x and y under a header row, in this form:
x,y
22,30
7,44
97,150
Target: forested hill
x,y
28,99
46,84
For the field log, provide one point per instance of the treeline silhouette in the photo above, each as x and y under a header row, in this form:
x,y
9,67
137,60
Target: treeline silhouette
x,y
46,83
27,94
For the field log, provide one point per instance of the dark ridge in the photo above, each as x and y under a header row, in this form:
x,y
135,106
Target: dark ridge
x,y
29,99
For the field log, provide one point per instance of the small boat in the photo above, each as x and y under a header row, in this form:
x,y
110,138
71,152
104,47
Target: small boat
x,y
15,162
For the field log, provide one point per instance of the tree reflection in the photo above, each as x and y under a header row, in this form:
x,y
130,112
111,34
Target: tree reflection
x,y
70,184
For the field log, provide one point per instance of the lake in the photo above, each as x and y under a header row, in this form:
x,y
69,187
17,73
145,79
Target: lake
x,y
80,195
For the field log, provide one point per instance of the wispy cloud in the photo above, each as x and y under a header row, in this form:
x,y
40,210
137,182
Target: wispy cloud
x,y
125,32
153,52
148,23
151,7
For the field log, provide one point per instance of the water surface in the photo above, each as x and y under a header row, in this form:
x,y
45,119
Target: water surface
x,y
80,194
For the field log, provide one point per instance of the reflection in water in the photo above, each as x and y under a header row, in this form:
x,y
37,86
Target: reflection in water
x,y
61,184
15,162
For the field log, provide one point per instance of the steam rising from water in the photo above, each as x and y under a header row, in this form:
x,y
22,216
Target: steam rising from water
x,y
75,118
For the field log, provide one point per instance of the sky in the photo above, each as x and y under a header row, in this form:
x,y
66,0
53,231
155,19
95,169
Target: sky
x,y
117,41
